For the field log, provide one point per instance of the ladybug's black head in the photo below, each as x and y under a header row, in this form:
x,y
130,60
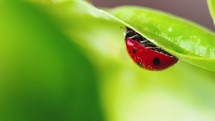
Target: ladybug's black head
x,y
129,33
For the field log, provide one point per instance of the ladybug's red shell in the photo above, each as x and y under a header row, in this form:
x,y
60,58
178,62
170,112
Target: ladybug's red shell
x,y
146,54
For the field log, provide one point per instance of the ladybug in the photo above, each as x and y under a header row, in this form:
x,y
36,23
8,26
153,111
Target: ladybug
x,y
145,53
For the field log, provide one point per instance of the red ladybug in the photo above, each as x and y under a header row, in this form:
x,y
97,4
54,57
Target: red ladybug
x,y
145,53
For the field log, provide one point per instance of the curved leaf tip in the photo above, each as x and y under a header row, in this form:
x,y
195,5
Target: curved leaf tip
x,y
211,4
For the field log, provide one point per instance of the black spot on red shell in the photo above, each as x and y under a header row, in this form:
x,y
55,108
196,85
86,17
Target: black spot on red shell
x,y
156,61
134,51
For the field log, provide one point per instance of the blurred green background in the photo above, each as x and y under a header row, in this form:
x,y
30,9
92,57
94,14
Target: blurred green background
x,y
61,61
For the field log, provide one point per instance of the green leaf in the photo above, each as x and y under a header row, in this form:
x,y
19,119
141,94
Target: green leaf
x,y
44,76
211,4
186,40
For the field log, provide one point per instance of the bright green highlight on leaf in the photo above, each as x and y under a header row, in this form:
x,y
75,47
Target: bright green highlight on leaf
x,y
211,4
